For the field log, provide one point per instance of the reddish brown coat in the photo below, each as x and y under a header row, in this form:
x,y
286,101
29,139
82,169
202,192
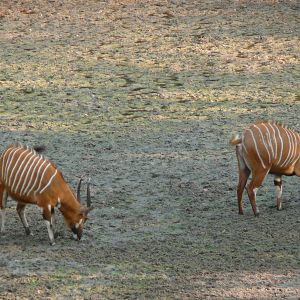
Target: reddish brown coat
x,y
265,147
28,177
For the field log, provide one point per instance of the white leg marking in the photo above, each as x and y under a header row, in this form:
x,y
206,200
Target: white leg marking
x,y
50,232
278,191
23,217
58,203
277,178
255,191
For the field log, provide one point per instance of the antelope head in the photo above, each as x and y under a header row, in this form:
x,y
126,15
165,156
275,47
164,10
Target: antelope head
x,y
77,228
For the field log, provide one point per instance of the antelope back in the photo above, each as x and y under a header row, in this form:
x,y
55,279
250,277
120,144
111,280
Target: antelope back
x,y
23,171
271,145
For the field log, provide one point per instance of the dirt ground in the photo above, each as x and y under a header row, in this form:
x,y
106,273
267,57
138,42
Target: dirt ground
x,y
143,96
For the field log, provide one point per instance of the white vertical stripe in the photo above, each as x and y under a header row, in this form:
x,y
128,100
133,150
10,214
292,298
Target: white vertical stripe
x,y
7,161
49,182
294,146
50,232
263,140
24,187
37,174
4,161
25,169
281,143
42,177
261,161
274,140
269,139
294,150
296,153
12,176
296,159
34,173
298,137
244,146
289,148
297,143
10,162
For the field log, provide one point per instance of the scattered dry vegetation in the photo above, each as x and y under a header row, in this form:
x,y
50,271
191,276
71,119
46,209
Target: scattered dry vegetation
x,y
143,96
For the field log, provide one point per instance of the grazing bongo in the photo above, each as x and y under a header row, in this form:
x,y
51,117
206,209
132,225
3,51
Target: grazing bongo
x,y
265,147
28,177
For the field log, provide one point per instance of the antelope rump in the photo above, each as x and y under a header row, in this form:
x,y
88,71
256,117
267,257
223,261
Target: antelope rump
x,y
29,178
265,148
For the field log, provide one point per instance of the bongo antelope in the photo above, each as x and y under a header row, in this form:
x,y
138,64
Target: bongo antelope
x,y
265,147
28,177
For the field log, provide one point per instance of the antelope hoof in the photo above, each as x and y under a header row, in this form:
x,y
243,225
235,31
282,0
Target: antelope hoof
x,y
256,214
27,231
74,237
52,243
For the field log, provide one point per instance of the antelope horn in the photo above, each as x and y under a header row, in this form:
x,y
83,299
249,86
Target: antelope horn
x,y
88,193
78,189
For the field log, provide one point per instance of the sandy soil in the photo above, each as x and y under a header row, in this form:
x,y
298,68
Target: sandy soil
x,y
143,96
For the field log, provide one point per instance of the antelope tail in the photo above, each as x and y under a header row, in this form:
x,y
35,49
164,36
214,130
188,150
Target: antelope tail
x,y
235,140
